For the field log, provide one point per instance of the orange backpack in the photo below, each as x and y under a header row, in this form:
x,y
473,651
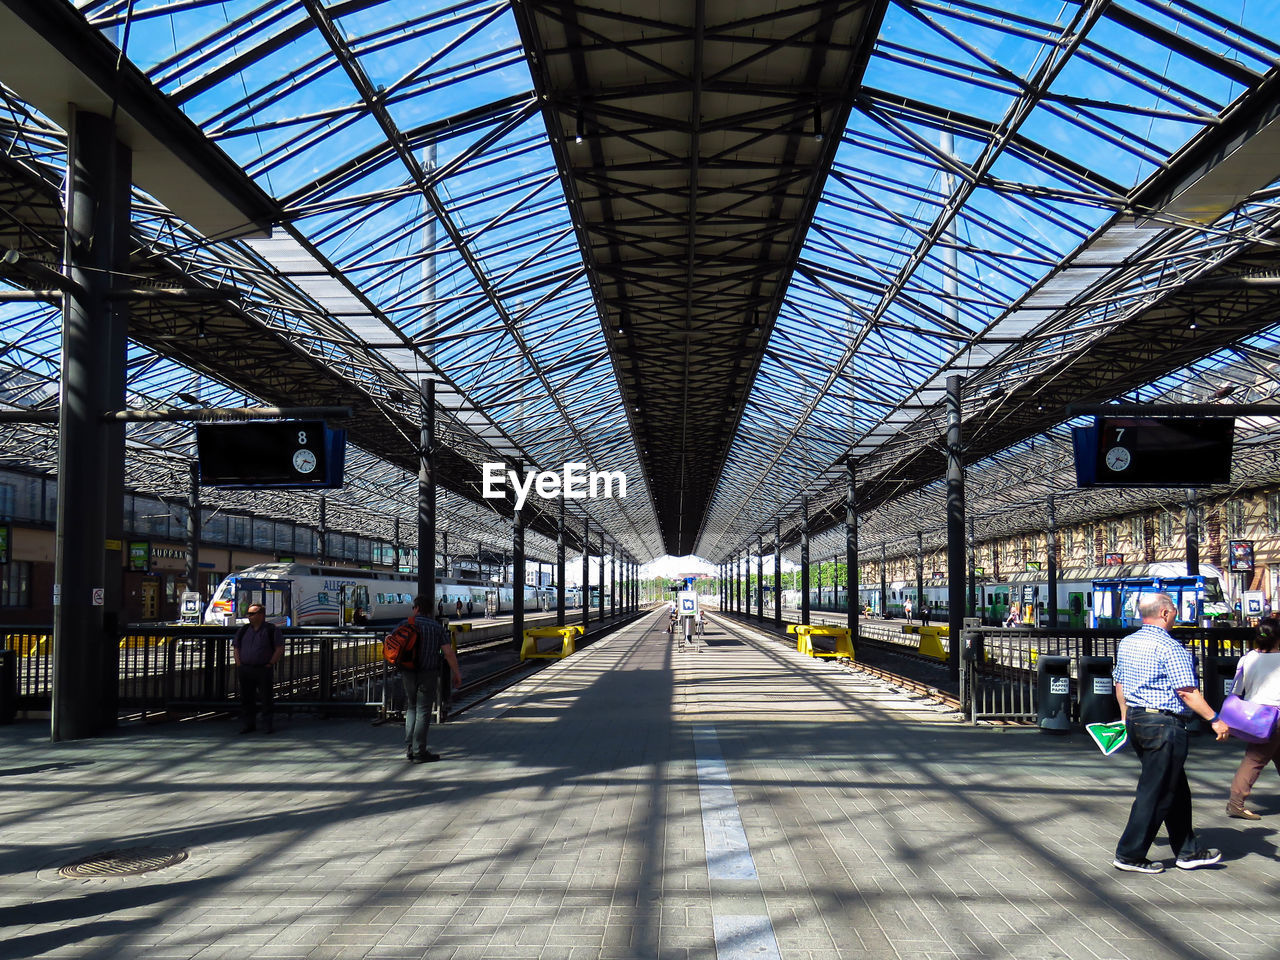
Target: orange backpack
x,y
400,646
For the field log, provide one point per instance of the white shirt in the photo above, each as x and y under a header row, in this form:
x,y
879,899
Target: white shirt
x,y
1258,678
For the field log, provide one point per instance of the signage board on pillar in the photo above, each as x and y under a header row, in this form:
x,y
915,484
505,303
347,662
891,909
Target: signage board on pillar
x,y
286,453
140,555
1154,451
1240,557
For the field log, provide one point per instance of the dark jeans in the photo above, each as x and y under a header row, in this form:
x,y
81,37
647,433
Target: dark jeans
x,y
419,698
1163,796
255,685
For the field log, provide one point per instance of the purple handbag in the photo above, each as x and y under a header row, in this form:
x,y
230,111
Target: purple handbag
x,y
1253,722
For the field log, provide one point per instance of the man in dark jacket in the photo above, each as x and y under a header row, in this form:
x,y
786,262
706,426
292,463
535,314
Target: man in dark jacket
x,y
258,646
420,683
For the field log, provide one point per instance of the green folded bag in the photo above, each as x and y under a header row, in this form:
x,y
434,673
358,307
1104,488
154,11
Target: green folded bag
x,y
1109,737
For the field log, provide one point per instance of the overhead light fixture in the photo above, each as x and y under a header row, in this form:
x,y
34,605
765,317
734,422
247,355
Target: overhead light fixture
x,y
817,122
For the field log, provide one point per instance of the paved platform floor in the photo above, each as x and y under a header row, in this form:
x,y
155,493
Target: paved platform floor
x,y
629,802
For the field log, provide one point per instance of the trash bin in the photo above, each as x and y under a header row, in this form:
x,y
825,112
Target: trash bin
x,y
1053,693
1219,672
1097,691
8,685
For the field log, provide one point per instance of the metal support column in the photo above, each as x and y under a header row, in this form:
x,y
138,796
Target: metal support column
x,y
322,532
1051,556
973,572
760,579
919,604
586,574
851,553
517,572
777,574
955,527
560,567
193,531
884,581
426,498
1193,544
86,601
600,615
804,559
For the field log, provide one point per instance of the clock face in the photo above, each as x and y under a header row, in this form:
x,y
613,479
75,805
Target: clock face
x,y
304,461
1118,459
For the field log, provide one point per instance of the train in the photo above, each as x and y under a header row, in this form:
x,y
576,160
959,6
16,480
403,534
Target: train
x,y
1086,597
307,595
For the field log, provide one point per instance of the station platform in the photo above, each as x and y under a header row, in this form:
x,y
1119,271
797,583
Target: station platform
x,y
631,801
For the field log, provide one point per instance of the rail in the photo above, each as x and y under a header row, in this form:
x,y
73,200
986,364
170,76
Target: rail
x,y
998,679
183,668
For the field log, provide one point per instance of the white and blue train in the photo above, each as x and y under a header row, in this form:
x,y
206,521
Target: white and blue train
x,y
309,595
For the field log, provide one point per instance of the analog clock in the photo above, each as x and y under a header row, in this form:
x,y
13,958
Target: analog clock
x,y
1118,458
304,461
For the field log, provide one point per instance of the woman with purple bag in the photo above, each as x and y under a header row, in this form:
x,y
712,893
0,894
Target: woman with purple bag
x,y
1258,681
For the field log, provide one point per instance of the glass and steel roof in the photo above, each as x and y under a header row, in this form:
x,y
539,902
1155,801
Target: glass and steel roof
x,y
1030,199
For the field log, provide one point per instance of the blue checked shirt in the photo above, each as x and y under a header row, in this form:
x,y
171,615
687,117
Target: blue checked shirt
x,y
1151,666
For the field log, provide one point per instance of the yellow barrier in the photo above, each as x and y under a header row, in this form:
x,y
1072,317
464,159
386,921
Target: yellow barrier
x,y
135,642
931,642
31,644
455,629
529,645
804,644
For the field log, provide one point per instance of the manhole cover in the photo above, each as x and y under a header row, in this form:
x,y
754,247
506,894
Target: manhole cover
x,y
123,863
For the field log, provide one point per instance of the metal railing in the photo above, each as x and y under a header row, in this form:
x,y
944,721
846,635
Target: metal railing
x,y
998,676
169,667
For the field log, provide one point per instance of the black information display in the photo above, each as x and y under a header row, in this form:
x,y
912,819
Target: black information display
x,y
294,453
1155,452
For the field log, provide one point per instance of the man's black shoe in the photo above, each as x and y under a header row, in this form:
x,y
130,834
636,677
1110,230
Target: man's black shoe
x,y
248,728
1201,858
1138,866
427,757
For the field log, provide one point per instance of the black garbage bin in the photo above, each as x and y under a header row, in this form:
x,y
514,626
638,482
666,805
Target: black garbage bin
x,y
1097,691
8,685
1053,693
1219,673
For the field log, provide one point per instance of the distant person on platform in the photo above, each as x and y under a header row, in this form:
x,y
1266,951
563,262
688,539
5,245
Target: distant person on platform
x,y
925,614
470,606
1159,695
440,607
457,609
1014,618
906,610
420,684
257,647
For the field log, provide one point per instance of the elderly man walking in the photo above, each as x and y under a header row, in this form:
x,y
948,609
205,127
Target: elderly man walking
x,y
1159,694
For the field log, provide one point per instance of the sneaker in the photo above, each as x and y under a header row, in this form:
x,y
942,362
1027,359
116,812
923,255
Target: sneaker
x,y
1138,866
1201,858
427,757
1241,812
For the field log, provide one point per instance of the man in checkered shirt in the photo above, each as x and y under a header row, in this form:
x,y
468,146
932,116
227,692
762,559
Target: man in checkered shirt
x,y
1159,694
